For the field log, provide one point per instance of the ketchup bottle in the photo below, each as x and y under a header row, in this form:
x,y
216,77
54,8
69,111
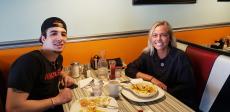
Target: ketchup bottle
x,y
112,72
112,65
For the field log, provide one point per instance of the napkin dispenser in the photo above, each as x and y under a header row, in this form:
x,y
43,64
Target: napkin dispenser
x,y
94,61
119,62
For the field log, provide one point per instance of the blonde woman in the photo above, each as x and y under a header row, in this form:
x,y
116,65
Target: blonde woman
x,y
164,65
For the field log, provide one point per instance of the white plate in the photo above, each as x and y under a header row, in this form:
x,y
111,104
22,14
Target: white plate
x,y
135,98
76,107
141,85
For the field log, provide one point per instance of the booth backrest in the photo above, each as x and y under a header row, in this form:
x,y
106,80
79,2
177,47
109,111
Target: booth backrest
x,y
181,46
1,106
3,90
212,77
218,77
222,101
202,62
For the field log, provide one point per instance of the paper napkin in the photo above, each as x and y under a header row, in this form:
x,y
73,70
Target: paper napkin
x,y
85,82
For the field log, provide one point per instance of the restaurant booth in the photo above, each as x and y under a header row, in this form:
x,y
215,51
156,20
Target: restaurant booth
x,y
211,66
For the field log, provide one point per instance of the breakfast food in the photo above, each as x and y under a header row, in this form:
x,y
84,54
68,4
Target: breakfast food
x,y
91,104
143,89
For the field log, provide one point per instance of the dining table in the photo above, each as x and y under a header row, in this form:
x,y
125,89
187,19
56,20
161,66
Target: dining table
x,y
166,103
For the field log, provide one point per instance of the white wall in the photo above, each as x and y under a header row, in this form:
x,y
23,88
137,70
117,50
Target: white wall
x,y
21,19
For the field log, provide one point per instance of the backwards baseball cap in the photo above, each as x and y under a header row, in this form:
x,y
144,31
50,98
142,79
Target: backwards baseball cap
x,y
52,22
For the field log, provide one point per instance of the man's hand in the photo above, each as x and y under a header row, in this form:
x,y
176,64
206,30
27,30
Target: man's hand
x,y
64,96
67,81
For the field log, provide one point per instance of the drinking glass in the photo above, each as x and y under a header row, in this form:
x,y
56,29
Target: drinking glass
x,y
97,88
118,72
102,69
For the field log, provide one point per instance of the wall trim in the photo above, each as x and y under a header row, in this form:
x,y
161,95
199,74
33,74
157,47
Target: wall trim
x,y
35,42
205,26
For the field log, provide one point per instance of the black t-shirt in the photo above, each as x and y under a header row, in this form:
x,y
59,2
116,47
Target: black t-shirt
x,y
35,74
174,70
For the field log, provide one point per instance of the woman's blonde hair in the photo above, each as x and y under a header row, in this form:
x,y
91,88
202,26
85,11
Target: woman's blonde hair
x,y
172,42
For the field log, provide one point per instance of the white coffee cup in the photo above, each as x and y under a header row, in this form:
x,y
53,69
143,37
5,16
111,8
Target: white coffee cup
x,y
113,88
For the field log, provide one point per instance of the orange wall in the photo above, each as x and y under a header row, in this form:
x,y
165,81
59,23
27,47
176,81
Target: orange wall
x,y
203,36
8,56
126,48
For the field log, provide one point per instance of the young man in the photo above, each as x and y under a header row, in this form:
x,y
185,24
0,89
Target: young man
x,y
34,77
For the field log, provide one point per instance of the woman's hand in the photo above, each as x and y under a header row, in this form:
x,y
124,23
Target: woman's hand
x,y
151,79
158,83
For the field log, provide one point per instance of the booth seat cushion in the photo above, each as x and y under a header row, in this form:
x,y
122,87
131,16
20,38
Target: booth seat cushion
x,y
202,61
217,78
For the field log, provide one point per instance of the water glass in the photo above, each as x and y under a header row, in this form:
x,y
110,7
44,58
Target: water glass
x,y
102,73
102,69
118,72
66,70
97,88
